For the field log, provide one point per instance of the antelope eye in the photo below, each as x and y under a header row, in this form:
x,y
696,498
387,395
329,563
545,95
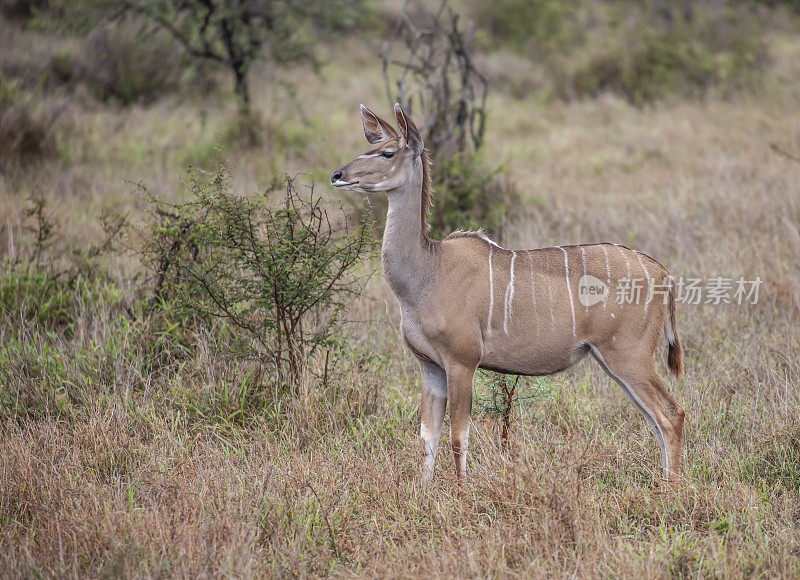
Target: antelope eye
x,y
388,154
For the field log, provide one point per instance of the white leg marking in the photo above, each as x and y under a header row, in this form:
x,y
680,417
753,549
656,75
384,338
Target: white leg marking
x,y
608,277
637,402
434,385
431,443
646,277
569,289
509,295
491,293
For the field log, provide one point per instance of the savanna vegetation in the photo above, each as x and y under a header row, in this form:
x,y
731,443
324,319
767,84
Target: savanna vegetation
x,y
201,372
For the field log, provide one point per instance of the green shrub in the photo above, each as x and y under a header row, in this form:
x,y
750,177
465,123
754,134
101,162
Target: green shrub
x,y
642,51
25,130
500,397
117,65
49,289
231,35
681,60
526,24
276,268
470,195
23,9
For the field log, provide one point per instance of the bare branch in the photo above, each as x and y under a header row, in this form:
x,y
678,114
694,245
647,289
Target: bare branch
x,y
435,67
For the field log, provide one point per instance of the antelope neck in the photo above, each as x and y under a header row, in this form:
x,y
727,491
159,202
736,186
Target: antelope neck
x,y
408,261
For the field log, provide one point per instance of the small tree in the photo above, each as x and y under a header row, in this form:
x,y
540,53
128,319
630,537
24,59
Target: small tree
x,y
279,273
504,394
232,33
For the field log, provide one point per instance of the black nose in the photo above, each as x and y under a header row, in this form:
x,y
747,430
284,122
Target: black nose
x,y
337,175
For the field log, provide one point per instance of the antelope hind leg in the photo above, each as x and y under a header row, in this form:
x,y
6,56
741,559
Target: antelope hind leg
x,y
646,391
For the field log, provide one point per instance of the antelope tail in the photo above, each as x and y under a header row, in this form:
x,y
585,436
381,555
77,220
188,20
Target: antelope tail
x,y
675,354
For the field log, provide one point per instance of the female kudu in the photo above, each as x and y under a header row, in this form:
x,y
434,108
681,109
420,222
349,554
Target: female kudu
x,y
468,303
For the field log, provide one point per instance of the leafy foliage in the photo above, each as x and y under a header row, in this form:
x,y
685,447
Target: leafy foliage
x,y
472,196
686,57
47,288
501,395
279,273
530,25
642,51
234,34
23,9
116,65
25,130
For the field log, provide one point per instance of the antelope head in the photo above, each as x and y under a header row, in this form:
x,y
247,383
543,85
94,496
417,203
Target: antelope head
x,y
390,160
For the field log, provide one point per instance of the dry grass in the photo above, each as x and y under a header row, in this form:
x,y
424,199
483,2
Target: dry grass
x,y
107,470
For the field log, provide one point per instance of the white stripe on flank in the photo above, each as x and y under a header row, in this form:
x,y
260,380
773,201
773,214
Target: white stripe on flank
x,y
550,294
491,294
509,295
608,276
627,262
650,419
488,240
569,289
646,277
583,257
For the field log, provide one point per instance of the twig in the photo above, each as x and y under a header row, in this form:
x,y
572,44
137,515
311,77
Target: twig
x,y
776,149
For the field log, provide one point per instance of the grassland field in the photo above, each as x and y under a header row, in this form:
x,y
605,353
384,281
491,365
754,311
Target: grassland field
x,y
108,472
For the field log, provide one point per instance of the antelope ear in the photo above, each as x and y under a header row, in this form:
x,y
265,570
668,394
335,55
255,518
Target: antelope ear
x,y
408,130
375,128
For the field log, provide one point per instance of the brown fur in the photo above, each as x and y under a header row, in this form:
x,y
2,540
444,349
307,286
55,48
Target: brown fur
x,y
468,303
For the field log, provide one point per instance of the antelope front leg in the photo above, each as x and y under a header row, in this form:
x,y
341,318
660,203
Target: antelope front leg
x,y
434,401
459,391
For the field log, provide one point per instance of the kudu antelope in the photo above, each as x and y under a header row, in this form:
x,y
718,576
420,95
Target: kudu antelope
x,y
468,303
